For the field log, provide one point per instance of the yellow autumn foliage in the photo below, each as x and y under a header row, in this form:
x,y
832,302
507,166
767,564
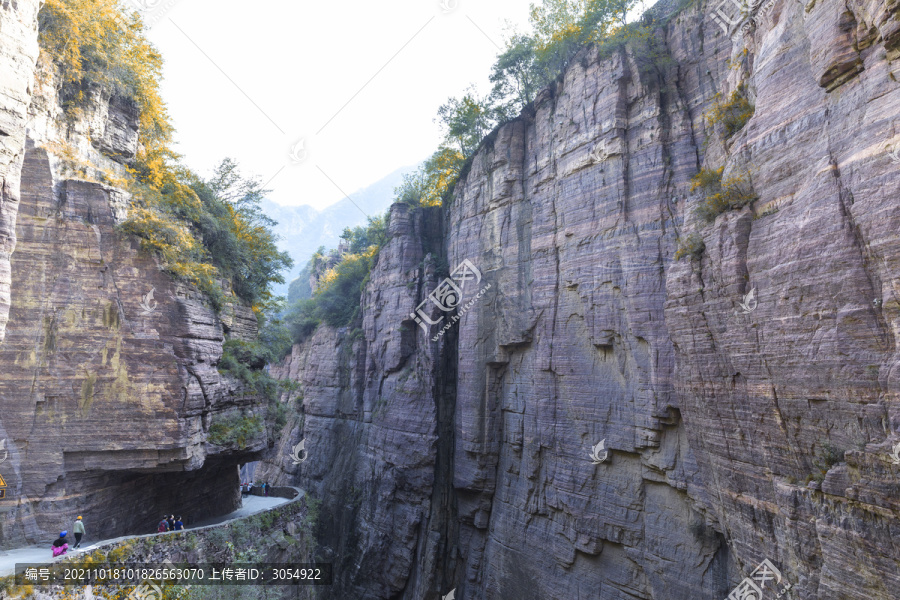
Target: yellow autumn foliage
x,y
721,194
202,231
95,46
732,113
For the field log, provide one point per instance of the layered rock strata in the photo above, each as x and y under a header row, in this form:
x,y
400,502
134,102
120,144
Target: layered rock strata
x,y
739,428
108,379
18,54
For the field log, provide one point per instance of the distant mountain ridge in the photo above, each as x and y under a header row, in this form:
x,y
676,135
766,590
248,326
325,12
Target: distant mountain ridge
x,y
303,229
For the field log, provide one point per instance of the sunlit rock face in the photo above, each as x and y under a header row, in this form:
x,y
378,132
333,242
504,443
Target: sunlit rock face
x,y
739,429
18,53
108,379
109,382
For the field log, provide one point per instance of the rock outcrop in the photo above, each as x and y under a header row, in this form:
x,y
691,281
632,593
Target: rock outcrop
x,y
108,379
734,434
368,423
18,53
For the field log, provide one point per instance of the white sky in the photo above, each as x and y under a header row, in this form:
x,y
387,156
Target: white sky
x,y
300,70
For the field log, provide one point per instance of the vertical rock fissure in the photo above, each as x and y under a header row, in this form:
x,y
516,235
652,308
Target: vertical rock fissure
x,y
443,504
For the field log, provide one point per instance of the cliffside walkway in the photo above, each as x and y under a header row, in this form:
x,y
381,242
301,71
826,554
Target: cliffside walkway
x,y
41,554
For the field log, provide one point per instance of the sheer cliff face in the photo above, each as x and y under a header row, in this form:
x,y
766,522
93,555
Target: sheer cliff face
x,y
806,384
18,53
371,400
108,382
736,435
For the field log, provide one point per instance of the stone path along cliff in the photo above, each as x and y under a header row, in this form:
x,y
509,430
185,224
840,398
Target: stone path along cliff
x,y
41,554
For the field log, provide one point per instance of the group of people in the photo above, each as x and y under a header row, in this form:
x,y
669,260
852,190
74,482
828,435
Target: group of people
x,y
246,488
61,544
170,523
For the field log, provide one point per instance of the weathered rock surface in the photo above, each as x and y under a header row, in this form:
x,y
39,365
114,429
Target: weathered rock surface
x,y
734,436
108,379
369,415
18,53
109,382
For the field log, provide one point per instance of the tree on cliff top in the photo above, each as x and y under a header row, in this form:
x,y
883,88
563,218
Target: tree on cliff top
x,y
97,47
530,62
203,231
559,29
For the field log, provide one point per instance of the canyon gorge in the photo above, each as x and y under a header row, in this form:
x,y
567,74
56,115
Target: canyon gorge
x,y
742,371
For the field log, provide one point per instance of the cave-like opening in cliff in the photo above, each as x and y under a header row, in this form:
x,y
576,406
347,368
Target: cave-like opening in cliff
x,y
131,502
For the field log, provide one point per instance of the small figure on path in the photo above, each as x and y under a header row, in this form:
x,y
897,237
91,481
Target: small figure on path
x,y
61,545
179,525
79,531
163,525
171,522
266,488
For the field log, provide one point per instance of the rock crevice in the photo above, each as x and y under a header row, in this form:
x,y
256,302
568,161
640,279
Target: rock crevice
x,y
735,435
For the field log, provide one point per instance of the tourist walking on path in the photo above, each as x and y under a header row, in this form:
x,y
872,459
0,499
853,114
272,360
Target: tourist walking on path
x,y
171,522
163,525
79,531
61,545
179,525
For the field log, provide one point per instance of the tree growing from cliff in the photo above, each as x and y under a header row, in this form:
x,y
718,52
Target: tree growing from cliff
x,y
432,183
246,247
96,47
360,239
559,30
467,120
203,231
514,74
